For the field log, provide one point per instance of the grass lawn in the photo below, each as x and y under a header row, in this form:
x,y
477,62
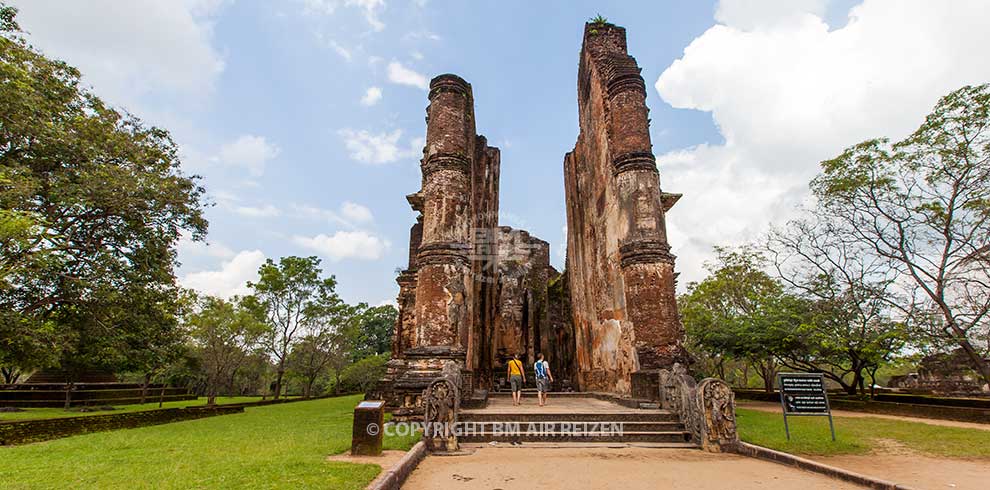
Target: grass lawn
x,y
276,446
50,413
810,435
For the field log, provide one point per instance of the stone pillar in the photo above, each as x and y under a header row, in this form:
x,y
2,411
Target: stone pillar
x,y
443,310
647,265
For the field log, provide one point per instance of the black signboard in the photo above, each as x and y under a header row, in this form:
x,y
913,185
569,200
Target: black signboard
x,y
804,394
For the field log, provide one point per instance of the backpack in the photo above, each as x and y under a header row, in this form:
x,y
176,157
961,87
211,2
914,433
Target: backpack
x,y
541,369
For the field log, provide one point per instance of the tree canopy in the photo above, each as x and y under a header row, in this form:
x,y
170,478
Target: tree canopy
x,y
92,204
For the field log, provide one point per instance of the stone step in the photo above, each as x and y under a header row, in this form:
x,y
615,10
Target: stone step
x,y
606,436
565,425
552,416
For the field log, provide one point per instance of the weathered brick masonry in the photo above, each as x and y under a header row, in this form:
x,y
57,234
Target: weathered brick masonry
x,y
620,270
475,293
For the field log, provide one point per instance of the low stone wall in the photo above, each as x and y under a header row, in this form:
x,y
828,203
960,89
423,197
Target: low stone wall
x,y
25,431
979,415
393,478
934,408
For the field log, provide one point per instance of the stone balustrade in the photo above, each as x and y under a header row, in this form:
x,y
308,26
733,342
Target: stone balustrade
x,y
706,408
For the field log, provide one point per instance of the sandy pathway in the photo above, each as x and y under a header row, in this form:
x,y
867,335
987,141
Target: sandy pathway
x,y
775,408
628,469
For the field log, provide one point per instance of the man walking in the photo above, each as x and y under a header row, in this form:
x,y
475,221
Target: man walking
x,y
517,377
543,378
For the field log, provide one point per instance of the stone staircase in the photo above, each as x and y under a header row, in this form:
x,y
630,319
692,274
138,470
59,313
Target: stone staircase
x,y
572,418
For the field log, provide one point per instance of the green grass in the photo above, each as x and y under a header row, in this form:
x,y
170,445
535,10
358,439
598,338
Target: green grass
x,y
51,413
859,435
276,446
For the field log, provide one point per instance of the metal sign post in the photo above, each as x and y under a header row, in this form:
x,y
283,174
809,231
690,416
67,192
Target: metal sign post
x,y
803,394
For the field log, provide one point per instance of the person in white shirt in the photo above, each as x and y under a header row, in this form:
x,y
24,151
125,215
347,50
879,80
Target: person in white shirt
x,y
543,378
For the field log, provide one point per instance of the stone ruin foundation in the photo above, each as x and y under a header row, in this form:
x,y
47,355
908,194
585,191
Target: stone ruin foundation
x,y
475,292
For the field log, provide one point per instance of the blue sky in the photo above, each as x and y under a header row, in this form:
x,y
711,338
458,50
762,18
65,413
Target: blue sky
x,y
305,117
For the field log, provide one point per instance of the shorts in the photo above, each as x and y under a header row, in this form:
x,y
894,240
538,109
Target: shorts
x,y
516,381
543,384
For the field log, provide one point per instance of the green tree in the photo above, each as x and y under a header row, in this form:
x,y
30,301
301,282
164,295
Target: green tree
x,y
93,203
225,334
741,312
363,374
850,331
375,331
921,206
297,302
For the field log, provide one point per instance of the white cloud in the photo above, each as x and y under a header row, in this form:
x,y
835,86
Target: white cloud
x,y
369,8
753,14
417,35
345,245
397,73
356,213
371,96
232,277
378,148
786,93
266,211
248,151
128,49
350,214
232,202
187,246
342,51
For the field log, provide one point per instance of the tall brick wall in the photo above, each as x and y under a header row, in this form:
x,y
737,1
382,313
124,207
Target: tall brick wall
x,y
620,270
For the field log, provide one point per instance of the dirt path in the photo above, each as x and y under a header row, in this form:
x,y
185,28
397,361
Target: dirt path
x,y
895,462
775,408
628,469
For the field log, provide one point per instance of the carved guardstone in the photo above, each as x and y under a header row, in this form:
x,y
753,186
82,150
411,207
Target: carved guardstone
x,y
441,404
707,409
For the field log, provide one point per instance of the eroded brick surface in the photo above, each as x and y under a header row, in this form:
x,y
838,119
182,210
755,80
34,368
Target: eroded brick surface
x,y
620,270
477,293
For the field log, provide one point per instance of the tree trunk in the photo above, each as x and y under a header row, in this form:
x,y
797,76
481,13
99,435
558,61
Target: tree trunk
x,y
309,388
144,388
873,381
278,383
68,395
161,395
336,383
767,373
10,375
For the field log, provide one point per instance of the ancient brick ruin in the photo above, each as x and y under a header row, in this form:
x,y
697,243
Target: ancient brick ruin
x,y
619,266
475,293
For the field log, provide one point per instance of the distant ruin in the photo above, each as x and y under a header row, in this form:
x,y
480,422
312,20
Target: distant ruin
x,y
475,292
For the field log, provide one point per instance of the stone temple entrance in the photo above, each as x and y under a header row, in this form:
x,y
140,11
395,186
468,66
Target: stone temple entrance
x,y
475,293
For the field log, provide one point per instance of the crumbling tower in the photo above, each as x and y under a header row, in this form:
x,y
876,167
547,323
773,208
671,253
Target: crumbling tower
x,y
442,308
447,293
621,272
